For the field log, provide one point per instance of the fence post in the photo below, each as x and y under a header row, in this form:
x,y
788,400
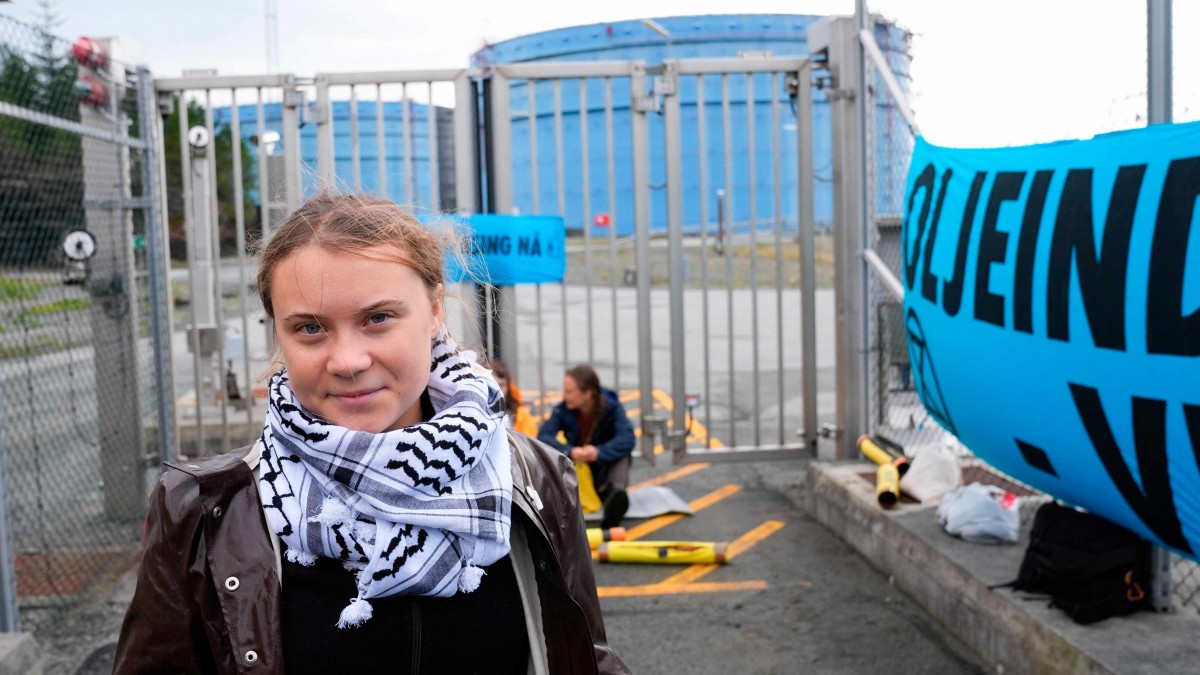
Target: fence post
x,y
9,616
1158,99
156,257
836,38
114,303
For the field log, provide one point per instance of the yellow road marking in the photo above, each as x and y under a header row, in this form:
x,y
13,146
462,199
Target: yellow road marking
x,y
739,546
674,589
669,476
656,524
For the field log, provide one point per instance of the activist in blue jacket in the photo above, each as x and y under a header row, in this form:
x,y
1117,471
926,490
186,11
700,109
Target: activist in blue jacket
x,y
597,431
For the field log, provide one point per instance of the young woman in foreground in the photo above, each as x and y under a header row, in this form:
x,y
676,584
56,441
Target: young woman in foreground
x,y
385,521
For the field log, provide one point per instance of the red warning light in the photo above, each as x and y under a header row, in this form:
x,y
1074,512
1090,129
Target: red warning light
x,y
600,220
88,53
91,91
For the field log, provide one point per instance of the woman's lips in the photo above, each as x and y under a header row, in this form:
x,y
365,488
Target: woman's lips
x,y
356,399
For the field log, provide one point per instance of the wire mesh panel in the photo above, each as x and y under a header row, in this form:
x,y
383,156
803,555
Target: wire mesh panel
x,y
79,313
895,409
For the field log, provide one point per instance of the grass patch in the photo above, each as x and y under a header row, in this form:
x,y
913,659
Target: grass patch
x,y
20,289
64,305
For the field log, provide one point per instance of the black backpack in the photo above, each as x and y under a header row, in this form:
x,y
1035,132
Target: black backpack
x,y
1090,568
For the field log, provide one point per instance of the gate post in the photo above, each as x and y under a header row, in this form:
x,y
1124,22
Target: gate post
x,y
107,201
500,314
836,38
640,105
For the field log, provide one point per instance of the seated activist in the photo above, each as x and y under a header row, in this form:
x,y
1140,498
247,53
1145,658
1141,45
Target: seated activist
x,y
519,418
597,433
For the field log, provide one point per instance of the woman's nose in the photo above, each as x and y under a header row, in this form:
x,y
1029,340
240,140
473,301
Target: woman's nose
x,y
347,357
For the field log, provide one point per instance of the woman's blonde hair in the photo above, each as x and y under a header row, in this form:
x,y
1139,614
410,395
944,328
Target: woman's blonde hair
x,y
355,222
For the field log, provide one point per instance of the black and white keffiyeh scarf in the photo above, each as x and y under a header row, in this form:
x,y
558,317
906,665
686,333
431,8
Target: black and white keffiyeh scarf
x,y
414,511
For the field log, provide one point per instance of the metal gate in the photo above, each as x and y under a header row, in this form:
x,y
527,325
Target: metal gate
x,y
706,310
699,308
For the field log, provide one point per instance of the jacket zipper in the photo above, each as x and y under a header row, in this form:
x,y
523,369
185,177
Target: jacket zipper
x,y
415,666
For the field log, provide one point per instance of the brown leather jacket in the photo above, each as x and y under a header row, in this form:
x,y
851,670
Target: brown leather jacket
x,y
207,597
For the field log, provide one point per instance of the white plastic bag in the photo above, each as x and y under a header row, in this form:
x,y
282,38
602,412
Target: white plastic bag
x,y
933,471
982,514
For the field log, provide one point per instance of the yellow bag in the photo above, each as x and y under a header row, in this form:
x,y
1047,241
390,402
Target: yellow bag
x,y
588,499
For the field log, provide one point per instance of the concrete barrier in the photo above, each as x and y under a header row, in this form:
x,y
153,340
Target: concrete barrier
x,y
951,579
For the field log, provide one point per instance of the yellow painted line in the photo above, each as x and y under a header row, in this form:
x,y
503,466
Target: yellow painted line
x,y
628,395
671,475
736,548
656,524
675,589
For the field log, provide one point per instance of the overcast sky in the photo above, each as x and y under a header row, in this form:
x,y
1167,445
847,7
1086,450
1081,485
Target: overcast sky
x,y
985,72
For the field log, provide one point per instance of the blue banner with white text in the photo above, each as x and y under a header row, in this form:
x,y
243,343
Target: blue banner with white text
x,y
1052,306
505,250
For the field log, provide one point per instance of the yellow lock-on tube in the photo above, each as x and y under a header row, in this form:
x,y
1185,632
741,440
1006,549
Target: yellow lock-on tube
x,y
880,456
597,536
887,485
663,552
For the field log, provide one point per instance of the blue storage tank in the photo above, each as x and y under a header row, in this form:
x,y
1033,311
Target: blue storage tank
x,y
368,148
710,36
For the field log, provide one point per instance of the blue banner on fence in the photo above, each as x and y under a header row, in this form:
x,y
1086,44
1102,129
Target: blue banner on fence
x,y
1052,308
512,249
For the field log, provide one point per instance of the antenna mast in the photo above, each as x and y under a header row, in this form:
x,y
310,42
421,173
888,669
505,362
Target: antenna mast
x,y
272,31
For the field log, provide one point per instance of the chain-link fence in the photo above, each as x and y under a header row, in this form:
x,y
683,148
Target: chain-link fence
x,y
893,405
78,379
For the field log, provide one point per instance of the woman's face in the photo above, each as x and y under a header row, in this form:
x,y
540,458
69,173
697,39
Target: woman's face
x,y
573,396
356,333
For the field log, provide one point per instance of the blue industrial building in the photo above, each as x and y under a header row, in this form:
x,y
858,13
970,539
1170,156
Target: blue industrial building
x,y
710,36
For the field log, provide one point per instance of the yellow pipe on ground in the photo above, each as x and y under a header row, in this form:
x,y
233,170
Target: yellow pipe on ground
x,y
881,456
887,485
597,536
663,552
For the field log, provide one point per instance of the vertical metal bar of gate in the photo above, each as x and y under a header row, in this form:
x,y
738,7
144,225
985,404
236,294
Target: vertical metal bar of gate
x,y
431,135
752,212
265,198
610,182
535,205
380,145
639,106
727,160
702,152
808,281
410,174
676,441
562,205
586,184
160,326
218,294
189,229
355,146
240,227
777,207
293,100
326,162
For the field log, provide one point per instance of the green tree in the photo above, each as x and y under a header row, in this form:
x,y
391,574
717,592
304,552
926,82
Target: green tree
x,y
41,173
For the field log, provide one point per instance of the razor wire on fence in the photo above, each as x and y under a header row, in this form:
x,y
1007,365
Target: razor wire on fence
x,y
78,376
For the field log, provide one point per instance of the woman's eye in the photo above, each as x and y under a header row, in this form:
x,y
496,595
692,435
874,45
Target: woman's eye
x,y
309,329
377,318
